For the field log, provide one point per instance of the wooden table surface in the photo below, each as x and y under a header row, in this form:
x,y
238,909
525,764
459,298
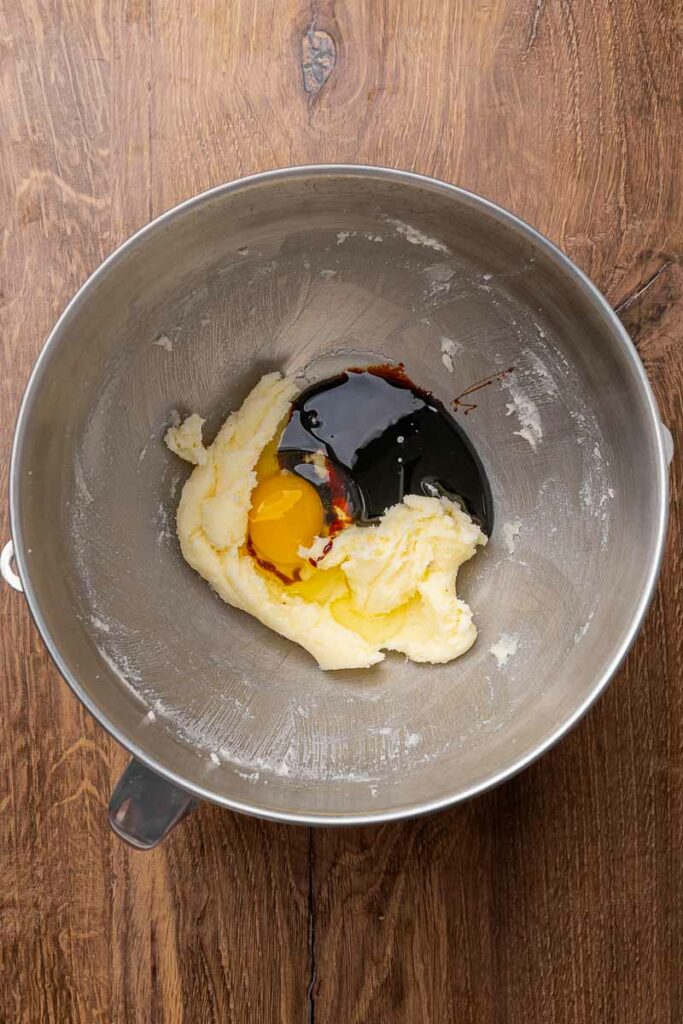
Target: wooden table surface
x,y
557,897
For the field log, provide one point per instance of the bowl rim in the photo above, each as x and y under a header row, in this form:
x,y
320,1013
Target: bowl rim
x,y
589,291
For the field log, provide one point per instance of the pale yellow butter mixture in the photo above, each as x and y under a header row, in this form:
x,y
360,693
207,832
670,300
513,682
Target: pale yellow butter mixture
x,y
389,587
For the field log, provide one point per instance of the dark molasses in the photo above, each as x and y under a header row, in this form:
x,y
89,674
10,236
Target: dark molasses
x,y
383,437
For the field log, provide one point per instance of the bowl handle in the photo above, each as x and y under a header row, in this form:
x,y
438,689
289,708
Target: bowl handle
x,y
144,807
667,441
6,570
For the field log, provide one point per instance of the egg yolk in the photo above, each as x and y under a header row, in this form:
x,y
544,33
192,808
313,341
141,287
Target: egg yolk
x,y
286,514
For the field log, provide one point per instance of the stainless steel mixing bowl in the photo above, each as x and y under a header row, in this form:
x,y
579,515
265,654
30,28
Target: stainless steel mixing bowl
x,y
308,270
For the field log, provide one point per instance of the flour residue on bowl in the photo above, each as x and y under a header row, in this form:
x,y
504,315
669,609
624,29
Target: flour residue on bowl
x,y
440,279
526,412
82,491
504,649
511,531
449,349
581,632
415,236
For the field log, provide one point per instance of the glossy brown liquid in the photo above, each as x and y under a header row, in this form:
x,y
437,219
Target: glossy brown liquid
x,y
383,438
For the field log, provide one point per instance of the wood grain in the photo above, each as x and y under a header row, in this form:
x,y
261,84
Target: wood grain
x,y
558,897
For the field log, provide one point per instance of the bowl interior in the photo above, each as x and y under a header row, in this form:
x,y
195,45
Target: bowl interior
x,y
309,273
